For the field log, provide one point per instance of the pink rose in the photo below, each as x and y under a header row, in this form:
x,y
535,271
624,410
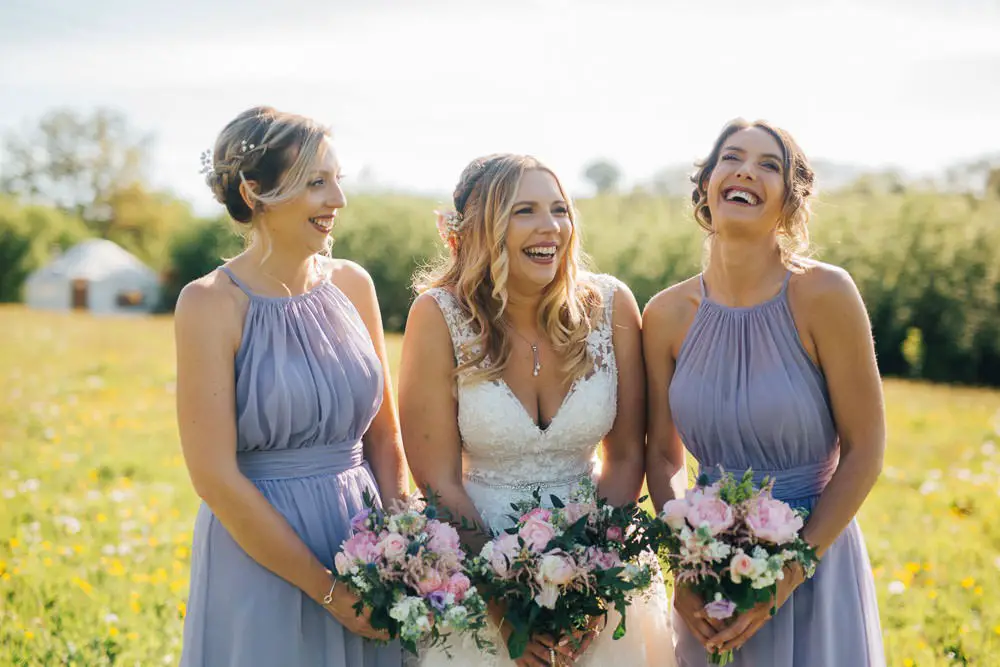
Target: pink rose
x,y
443,538
536,533
458,585
614,533
548,596
710,511
675,513
602,560
392,546
740,567
556,568
772,520
431,581
538,513
361,547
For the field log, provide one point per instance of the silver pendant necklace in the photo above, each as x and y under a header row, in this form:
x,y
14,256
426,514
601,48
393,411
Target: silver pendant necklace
x,y
536,358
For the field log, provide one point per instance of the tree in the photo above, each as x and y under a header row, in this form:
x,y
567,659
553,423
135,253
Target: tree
x,y
604,175
76,163
28,237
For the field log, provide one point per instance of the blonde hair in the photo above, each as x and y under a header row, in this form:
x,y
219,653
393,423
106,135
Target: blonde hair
x,y
793,230
477,270
271,153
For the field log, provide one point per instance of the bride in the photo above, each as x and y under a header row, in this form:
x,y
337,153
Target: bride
x,y
516,367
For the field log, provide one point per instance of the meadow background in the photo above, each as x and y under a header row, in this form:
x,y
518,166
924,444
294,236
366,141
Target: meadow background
x,y
96,510
110,104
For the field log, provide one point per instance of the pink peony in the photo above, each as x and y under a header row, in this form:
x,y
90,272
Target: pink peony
x,y
431,581
614,533
537,533
675,513
458,585
392,546
361,547
444,538
501,553
710,511
556,568
740,566
772,520
576,511
342,563
602,560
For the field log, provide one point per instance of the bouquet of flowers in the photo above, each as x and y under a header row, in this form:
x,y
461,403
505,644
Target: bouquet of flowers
x,y
730,541
409,568
558,567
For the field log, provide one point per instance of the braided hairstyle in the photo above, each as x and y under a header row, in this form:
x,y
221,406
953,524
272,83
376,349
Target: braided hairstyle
x,y
269,153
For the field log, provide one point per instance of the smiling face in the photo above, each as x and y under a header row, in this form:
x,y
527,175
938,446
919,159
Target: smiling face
x,y
304,221
539,232
746,188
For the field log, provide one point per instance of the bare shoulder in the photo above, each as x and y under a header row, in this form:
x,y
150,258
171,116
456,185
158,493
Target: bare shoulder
x,y
349,276
624,309
426,317
821,286
203,300
671,309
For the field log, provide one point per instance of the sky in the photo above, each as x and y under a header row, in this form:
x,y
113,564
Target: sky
x,y
414,90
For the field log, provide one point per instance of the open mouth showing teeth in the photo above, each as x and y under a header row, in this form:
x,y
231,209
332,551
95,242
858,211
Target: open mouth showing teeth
x,y
323,224
541,252
741,197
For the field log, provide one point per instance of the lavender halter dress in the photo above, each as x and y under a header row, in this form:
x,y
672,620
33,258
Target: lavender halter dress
x,y
745,394
308,384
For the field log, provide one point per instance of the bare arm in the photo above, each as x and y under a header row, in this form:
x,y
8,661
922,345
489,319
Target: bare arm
x,y
207,334
382,442
429,415
624,450
842,335
663,319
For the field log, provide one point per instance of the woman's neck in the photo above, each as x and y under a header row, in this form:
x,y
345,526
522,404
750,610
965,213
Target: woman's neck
x,y
292,272
742,271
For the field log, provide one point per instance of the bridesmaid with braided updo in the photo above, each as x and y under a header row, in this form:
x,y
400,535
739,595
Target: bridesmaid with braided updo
x,y
285,411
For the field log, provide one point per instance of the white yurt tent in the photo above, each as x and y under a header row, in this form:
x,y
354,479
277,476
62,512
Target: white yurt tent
x,y
96,275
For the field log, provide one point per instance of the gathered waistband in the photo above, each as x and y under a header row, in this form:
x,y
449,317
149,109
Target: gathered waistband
x,y
795,483
303,462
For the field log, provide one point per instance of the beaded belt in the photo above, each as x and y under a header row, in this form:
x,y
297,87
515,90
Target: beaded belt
x,y
479,478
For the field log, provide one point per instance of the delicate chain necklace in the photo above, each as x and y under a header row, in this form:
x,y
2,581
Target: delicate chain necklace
x,y
534,353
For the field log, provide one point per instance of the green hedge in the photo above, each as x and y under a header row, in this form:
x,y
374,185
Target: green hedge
x,y
928,264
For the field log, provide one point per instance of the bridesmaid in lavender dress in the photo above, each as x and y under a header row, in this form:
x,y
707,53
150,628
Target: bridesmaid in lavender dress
x,y
765,360
284,409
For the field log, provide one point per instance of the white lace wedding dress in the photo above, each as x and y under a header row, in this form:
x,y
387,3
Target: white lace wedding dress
x,y
506,456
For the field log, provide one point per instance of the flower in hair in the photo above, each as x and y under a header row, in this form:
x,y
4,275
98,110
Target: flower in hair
x,y
449,224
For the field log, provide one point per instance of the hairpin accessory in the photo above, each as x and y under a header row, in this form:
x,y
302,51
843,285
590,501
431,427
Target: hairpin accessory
x,y
206,162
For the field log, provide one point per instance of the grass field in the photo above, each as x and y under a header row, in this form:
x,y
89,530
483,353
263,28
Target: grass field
x,y
96,510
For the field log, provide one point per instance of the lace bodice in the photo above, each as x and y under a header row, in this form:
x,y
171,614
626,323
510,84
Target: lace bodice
x,y
504,453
